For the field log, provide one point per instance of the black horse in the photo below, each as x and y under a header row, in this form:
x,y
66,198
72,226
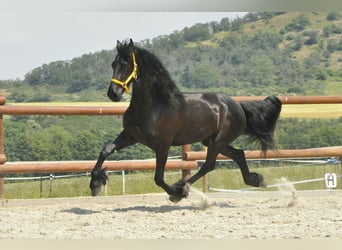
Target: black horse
x,y
160,116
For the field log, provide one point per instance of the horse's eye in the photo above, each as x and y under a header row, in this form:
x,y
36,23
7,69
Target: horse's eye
x,y
124,63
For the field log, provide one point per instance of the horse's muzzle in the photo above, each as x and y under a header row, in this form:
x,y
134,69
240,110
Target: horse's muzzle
x,y
112,95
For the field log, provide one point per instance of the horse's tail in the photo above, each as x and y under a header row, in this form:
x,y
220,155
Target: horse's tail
x,y
261,117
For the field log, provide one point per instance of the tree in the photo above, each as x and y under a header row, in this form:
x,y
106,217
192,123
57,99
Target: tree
x,y
332,45
175,40
332,16
237,24
19,97
85,145
202,76
198,32
313,37
265,40
80,81
225,24
261,70
298,23
17,147
298,42
251,17
34,77
50,144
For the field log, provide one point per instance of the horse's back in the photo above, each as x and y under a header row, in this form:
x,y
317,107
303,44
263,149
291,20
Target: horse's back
x,y
208,114
232,115
222,101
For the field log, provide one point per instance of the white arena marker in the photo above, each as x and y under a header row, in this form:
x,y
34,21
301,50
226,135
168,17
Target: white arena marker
x,y
330,180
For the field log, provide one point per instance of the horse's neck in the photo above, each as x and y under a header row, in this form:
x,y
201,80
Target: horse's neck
x,y
148,92
147,97
141,97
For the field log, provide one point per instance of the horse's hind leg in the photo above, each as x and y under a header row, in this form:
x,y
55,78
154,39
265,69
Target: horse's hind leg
x,y
252,179
208,165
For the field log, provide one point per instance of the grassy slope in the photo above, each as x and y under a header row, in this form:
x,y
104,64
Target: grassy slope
x,y
312,111
317,22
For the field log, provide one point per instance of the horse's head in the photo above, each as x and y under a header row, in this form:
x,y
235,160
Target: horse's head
x,y
124,70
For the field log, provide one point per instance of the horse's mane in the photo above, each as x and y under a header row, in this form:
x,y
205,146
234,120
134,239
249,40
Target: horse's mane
x,y
166,90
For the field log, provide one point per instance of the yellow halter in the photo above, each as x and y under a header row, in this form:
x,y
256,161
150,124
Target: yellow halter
x,y
133,75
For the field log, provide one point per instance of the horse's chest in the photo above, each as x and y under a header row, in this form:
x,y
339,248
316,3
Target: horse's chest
x,y
150,128
142,132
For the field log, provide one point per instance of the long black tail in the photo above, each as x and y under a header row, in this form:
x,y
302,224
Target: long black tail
x,y
261,119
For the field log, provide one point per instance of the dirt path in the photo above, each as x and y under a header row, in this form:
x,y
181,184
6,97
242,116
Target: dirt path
x,y
260,215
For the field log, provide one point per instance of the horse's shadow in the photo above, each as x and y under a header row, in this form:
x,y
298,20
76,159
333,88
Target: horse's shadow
x,y
157,209
79,211
168,208
152,209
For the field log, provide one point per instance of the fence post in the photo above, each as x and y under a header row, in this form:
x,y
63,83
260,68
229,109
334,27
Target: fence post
x,y
205,179
2,154
1,185
123,182
186,174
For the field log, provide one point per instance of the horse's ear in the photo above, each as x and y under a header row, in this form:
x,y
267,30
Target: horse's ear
x,y
118,43
131,44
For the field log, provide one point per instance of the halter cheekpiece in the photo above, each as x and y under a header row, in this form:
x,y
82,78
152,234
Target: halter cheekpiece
x,y
133,75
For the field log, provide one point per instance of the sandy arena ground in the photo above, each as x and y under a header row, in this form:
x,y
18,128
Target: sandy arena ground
x,y
252,215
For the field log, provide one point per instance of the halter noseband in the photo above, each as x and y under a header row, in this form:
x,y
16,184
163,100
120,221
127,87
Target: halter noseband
x,y
133,75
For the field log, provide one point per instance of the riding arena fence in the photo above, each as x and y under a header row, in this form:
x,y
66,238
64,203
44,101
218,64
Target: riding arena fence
x,y
189,159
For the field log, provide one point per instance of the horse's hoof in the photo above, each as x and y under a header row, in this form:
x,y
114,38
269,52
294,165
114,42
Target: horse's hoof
x,y
175,198
96,190
98,178
181,191
256,180
263,184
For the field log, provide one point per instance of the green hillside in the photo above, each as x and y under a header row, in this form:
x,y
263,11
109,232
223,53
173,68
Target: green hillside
x,y
261,53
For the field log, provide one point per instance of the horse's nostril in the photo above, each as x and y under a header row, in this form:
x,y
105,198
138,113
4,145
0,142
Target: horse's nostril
x,y
112,95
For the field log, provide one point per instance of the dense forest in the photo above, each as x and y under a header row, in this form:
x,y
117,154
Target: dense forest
x,y
260,54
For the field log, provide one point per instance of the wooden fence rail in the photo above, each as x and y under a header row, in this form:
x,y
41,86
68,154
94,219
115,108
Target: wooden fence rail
x,y
120,110
277,154
87,166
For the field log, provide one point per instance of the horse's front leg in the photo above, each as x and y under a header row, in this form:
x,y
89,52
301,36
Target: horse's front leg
x,y
176,191
183,186
98,175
